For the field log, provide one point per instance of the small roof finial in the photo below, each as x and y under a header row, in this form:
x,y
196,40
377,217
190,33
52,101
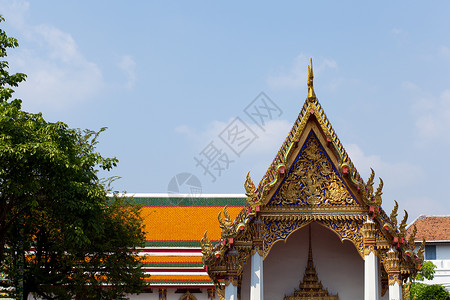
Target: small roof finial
x,y
311,94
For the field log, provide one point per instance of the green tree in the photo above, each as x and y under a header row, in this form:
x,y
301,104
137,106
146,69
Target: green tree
x,y
422,291
60,235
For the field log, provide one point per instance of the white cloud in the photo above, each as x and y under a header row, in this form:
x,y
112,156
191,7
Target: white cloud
x,y
295,76
128,66
402,173
433,120
268,139
59,76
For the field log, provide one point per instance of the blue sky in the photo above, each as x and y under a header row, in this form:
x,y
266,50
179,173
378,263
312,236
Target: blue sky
x,y
166,78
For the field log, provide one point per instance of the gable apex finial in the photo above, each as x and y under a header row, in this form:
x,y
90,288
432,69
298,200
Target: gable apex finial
x,y
311,94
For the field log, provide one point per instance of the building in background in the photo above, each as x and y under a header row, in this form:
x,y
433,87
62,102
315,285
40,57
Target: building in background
x,y
174,226
436,232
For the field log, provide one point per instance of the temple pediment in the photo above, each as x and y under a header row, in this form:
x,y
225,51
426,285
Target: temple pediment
x,y
312,179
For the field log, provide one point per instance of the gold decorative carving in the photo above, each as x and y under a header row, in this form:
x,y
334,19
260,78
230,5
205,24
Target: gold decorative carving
x,y
402,226
250,192
312,181
392,262
395,278
367,191
412,238
207,247
188,296
231,279
421,250
368,249
225,223
347,230
369,232
311,287
394,214
211,293
392,266
162,294
311,94
221,293
279,231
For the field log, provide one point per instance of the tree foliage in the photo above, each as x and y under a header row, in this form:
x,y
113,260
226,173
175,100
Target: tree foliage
x,y
422,291
58,229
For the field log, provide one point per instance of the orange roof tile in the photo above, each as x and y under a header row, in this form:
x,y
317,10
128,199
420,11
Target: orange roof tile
x,y
432,228
171,259
183,223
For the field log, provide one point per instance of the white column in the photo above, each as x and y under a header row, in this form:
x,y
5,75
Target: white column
x,y
370,276
256,281
231,290
395,291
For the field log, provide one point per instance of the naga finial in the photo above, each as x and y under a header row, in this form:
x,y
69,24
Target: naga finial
x,y
206,245
412,238
402,226
311,94
394,215
225,223
250,192
421,249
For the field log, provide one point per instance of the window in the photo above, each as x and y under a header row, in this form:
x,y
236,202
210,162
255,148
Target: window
x,y
430,252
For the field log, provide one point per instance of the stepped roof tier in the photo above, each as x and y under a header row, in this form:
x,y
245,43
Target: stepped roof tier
x,y
173,224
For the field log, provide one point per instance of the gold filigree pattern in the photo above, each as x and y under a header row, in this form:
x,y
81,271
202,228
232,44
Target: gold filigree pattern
x,y
347,230
279,231
395,278
313,181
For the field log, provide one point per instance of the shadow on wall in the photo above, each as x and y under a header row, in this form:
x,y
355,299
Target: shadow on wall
x,y
339,266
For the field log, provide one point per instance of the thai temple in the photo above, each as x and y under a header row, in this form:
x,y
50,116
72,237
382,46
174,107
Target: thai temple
x,y
312,228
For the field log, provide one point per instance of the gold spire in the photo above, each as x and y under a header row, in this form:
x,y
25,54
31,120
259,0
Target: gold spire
x,y
311,94
311,287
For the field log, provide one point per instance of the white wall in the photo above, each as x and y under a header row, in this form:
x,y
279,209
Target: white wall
x,y
442,262
442,251
339,266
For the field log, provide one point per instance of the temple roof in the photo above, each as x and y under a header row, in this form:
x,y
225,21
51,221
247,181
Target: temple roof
x,y
180,220
174,224
313,179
